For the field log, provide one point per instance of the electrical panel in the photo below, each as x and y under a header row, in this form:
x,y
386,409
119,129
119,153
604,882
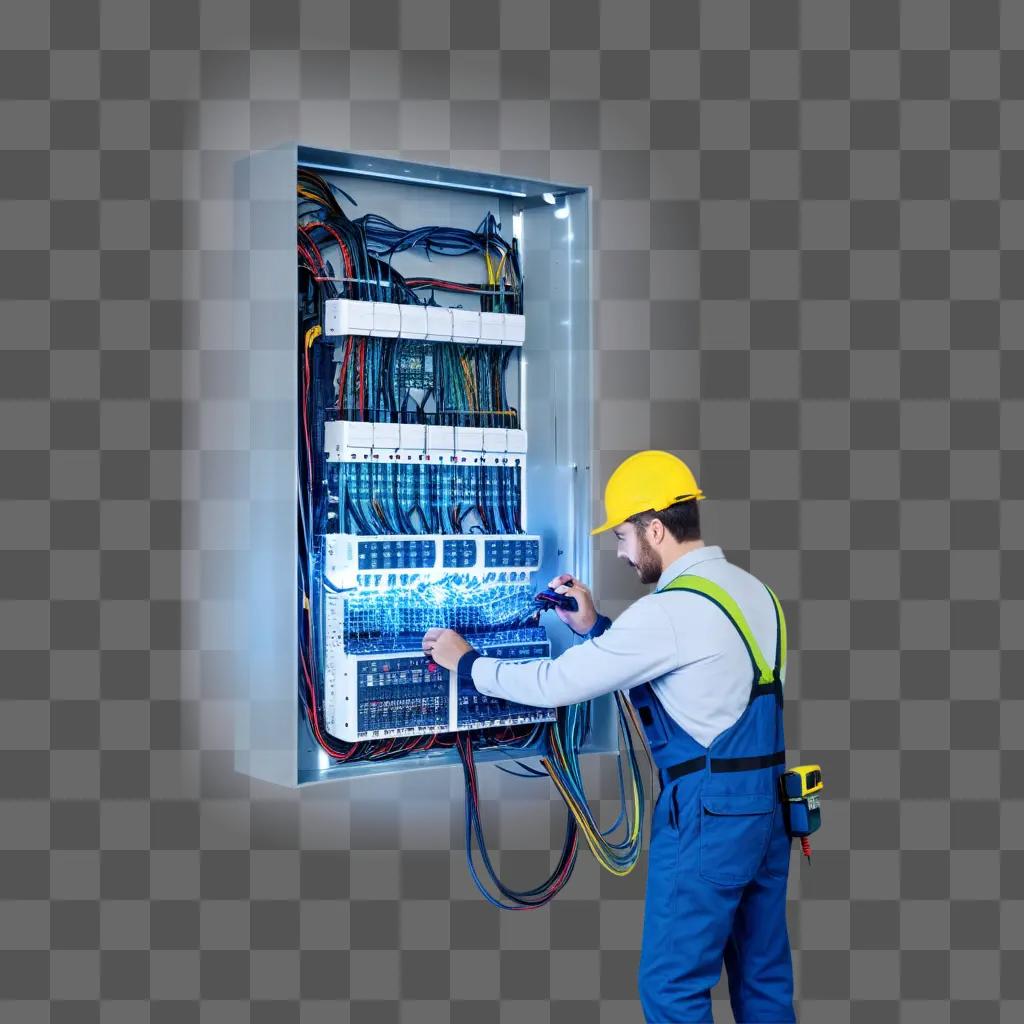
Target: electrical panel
x,y
427,407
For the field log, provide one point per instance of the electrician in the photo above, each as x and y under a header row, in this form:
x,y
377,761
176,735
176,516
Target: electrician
x,y
711,708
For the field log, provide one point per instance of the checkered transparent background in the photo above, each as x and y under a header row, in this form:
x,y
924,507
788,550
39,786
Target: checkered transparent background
x,y
809,233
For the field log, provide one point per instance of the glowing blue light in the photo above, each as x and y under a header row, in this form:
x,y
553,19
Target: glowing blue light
x,y
398,605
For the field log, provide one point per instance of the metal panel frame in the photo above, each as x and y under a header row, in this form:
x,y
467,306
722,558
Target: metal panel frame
x,y
273,740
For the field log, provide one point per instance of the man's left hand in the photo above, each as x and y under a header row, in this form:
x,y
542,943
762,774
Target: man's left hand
x,y
445,647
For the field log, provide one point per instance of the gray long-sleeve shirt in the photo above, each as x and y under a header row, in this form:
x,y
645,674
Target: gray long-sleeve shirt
x,y
680,642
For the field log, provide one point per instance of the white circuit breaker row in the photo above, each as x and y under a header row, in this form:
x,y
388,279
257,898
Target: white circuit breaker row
x,y
351,560
349,441
420,696
434,323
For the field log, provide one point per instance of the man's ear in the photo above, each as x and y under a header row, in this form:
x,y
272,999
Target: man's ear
x,y
655,531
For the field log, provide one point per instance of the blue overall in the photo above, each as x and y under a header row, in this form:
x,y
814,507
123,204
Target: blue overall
x,y
719,855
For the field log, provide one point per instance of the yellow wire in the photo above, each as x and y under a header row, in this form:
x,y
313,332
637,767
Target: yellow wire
x,y
636,824
471,395
584,818
597,843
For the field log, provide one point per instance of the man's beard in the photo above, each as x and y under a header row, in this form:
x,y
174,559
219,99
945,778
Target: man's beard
x,y
647,564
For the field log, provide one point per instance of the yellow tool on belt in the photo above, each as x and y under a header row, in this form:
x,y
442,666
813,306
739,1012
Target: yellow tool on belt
x,y
801,787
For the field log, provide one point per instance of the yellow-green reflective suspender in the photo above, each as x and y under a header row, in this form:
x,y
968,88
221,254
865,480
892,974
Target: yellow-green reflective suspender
x,y
715,593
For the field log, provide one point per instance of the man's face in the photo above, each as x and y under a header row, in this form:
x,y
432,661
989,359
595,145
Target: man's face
x,y
634,547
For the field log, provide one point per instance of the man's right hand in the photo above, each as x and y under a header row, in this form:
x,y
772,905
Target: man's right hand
x,y
580,621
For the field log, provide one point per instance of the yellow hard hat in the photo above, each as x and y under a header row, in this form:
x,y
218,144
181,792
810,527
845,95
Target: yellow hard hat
x,y
645,481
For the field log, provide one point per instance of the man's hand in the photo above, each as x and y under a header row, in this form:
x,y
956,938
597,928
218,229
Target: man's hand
x,y
581,621
445,647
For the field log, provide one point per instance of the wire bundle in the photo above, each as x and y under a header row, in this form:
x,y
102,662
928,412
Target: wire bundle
x,y
323,225
529,899
377,380
385,498
469,384
362,244
564,740
503,293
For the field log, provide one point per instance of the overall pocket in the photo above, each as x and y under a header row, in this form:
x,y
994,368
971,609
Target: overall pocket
x,y
734,833
665,813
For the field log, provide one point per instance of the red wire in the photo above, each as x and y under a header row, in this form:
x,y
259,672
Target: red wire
x,y
452,286
303,251
314,717
340,755
562,876
319,258
316,248
341,245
